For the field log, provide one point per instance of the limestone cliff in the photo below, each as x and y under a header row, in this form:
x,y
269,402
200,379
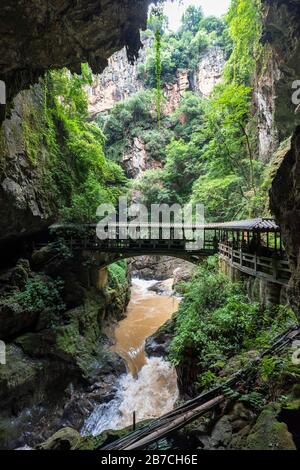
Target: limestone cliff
x,y
209,71
119,80
281,36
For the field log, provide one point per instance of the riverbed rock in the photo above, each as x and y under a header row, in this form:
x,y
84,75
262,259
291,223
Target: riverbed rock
x,y
158,268
158,345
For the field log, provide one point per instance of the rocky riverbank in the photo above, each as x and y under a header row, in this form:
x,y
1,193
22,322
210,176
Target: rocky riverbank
x,y
53,313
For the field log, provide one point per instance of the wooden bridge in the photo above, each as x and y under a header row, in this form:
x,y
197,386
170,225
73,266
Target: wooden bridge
x,y
254,246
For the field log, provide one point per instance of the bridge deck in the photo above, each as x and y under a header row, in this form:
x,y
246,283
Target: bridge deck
x,y
251,246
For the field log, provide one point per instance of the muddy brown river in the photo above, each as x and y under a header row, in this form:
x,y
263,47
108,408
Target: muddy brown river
x,y
147,311
150,387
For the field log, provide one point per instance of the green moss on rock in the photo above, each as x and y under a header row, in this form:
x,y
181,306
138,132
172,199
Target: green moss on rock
x,y
268,433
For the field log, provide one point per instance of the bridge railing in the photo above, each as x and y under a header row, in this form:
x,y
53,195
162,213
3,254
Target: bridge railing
x,y
273,268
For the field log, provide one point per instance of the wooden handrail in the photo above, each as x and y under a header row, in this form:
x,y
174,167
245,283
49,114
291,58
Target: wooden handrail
x,y
259,266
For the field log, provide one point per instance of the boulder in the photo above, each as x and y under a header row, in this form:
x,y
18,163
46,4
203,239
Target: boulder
x,y
270,434
64,439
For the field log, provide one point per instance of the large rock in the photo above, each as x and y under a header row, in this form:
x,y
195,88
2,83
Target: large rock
x,y
281,34
64,439
158,345
285,204
270,434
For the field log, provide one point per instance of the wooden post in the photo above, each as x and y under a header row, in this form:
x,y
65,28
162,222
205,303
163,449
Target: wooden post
x,y
133,421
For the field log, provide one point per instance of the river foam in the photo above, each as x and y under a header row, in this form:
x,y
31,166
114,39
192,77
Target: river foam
x,y
150,395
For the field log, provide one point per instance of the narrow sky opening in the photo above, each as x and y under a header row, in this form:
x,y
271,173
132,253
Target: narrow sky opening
x,y
174,10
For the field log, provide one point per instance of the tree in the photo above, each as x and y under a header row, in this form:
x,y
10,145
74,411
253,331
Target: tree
x,y
213,24
245,27
191,19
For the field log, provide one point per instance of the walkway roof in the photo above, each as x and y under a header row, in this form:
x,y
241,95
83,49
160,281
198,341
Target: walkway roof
x,y
262,225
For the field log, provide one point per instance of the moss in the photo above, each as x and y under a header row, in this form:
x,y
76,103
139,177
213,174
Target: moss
x,y
94,442
18,374
64,439
270,434
293,405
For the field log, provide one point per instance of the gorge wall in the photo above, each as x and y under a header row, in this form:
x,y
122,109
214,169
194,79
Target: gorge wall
x,y
120,80
281,38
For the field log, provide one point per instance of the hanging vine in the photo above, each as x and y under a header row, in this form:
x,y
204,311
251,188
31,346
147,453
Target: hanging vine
x,y
158,69
156,24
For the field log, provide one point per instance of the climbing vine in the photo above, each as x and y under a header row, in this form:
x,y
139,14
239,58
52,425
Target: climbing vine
x,y
156,23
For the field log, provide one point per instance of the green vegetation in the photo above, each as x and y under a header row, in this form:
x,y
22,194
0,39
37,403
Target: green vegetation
x,y
216,321
38,294
208,146
184,49
118,274
66,151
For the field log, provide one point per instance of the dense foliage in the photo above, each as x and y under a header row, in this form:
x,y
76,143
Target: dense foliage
x,y
75,172
215,321
208,145
183,49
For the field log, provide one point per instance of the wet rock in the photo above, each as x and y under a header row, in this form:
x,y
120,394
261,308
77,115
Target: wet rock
x,y
158,345
159,268
163,287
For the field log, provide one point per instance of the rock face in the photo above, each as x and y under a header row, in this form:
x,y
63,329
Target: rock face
x,y
119,80
209,71
264,99
39,35
285,204
277,71
173,92
136,159
281,32
25,203
58,361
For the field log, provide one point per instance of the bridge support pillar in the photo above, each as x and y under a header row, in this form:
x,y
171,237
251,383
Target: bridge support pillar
x,y
259,290
99,277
